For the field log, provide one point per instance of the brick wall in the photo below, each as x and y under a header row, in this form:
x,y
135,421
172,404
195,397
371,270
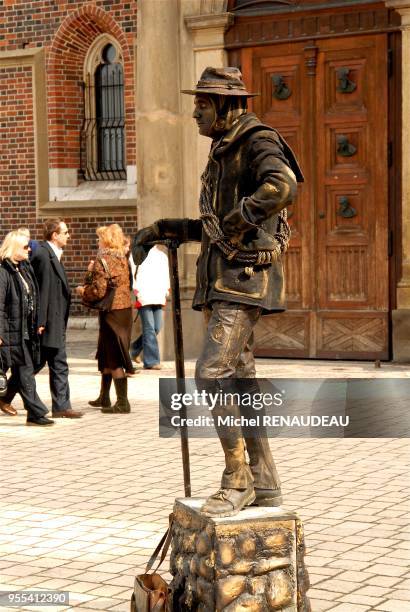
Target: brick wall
x,y
66,30
65,74
17,178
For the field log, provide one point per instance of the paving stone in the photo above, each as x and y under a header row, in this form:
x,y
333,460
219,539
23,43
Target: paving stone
x,y
320,605
386,581
393,605
317,593
349,607
354,576
388,570
338,586
403,594
365,600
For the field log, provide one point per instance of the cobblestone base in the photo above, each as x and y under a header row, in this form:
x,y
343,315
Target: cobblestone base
x,y
253,561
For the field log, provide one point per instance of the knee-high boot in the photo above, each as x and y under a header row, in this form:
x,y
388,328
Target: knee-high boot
x,y
103,400
263,468
236,473
237,483
122,404
264,472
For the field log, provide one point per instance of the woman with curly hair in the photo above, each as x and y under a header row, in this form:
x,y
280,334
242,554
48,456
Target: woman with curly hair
x,y
115,324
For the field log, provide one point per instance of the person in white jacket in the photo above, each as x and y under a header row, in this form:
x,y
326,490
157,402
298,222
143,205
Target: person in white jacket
x,y
151,286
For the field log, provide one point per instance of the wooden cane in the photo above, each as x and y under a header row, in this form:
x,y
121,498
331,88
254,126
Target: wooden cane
x,y
179,355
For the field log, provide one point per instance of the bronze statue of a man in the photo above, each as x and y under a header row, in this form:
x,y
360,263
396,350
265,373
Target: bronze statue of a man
x,y
250,178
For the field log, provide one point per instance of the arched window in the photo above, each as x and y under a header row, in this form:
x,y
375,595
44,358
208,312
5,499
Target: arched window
x,y
103,137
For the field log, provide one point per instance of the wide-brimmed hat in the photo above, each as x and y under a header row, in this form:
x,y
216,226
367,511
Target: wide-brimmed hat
x,y
222,81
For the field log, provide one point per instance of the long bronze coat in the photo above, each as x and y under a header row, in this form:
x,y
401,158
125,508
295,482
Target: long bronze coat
x,y
252,174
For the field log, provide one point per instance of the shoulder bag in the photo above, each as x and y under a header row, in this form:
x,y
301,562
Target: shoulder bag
x,y
105,302
151,592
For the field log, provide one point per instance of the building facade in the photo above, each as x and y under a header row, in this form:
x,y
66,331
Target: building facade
x,y
67,75
97,131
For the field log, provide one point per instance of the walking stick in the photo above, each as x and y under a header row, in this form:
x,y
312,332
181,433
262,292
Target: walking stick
x,y
179,354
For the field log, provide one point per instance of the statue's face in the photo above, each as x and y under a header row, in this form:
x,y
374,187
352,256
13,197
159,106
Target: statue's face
x,y
205,115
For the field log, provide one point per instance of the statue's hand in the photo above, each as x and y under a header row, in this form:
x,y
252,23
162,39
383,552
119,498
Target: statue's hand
x,y
141,242
146,234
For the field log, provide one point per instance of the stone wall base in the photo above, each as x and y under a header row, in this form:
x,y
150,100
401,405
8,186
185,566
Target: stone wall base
x,y
252,561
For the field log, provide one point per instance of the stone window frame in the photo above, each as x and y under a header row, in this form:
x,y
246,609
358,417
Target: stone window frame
x,y
35,57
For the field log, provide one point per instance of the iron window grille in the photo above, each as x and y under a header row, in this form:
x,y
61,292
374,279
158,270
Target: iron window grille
x,y
103,130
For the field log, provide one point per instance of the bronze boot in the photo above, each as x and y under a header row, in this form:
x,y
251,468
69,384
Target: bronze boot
x,y
228,502
265,476
236,490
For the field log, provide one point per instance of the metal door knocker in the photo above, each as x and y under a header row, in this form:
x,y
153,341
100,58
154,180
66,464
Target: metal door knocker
x,y
344,147
345,84
280,90
345,209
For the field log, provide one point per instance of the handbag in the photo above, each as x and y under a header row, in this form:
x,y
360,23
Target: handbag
x,y
3,378
151,591
105,302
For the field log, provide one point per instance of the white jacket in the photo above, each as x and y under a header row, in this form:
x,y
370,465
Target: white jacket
x,y
152,279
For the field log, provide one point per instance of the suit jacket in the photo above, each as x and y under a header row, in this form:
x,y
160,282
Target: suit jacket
x,y
55,296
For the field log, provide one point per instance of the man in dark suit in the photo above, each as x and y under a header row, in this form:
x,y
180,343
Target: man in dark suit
x,y
55,298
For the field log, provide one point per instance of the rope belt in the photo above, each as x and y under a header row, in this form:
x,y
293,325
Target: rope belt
x,y
232,251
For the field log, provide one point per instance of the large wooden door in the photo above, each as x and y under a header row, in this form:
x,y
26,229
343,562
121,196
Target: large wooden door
x,y
329,100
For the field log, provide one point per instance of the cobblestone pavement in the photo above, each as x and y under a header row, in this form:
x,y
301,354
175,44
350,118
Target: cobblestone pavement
x,y
85,502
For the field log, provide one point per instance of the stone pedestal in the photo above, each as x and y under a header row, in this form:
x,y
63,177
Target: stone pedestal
x,y
252,561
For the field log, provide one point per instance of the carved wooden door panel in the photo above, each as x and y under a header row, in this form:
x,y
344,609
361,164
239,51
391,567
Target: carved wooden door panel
x,y
329,100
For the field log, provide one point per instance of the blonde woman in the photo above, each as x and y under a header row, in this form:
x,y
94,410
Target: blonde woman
x,y
19,333
114,361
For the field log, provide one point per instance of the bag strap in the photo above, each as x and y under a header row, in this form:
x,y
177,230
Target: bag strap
x,y
164,545
106,268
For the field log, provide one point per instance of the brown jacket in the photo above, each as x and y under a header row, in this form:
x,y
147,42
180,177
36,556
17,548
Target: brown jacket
x,y
95,285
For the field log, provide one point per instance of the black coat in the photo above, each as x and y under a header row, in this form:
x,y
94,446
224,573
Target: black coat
x,y
15,325
55,296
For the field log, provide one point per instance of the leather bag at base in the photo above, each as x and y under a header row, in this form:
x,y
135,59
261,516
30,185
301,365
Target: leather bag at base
x,y
151,594
105,302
